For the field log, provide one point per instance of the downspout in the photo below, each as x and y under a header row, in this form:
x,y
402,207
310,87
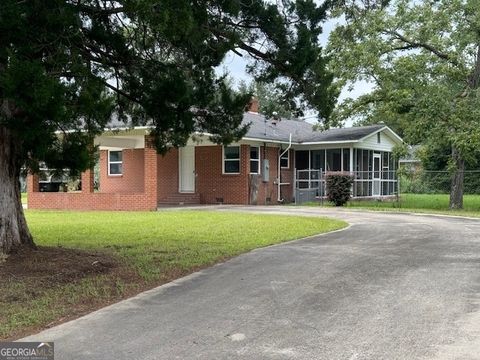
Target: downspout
x,y
279,168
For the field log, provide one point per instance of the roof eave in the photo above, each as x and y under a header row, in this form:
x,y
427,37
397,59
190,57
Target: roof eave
x,y
328,142
392,133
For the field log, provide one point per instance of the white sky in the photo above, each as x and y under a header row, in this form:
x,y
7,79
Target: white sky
x,y
236,65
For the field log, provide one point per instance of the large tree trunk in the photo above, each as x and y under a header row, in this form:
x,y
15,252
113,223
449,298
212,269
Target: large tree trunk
x,y
14,233
456,186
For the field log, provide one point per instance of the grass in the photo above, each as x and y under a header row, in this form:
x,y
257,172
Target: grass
x,y
424,203
137,251
24,198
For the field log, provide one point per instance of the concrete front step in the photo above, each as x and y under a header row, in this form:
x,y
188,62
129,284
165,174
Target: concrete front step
x,y
180,199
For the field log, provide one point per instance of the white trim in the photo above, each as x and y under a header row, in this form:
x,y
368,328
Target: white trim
x,y
392,133
128,128
377,180
257,160
329,142
239,160
351,159
268,140
107,129
109,162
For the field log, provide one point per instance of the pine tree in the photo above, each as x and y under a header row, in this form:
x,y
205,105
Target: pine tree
x,y
68,66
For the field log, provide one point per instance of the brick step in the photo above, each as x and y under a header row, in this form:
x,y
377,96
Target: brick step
x,y
180,199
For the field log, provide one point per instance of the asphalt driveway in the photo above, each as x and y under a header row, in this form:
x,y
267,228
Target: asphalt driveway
x,y
391,286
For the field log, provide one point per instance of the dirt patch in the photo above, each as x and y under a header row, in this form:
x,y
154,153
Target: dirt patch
x,y
55,266
31,276
61,284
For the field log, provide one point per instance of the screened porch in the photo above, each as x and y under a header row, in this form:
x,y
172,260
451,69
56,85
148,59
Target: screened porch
x,y
374,172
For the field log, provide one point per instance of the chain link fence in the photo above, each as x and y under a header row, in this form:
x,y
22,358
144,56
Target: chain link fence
x,y
436,182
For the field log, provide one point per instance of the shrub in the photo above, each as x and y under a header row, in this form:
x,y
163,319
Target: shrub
x,y
339,186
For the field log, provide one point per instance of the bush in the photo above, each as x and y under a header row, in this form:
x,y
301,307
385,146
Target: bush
x,y
339,188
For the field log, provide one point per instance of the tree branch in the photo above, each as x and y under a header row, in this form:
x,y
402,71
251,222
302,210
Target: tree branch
x,y
411,44
99,11
121,92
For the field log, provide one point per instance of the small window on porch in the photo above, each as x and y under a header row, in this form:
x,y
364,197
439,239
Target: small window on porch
x,y
115,163
254,160
285,160
231,160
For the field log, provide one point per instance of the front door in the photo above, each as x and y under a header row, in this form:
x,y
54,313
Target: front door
x,y
376,175
186,169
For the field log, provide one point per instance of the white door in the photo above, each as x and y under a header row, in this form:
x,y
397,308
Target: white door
x,y
186,169
376,175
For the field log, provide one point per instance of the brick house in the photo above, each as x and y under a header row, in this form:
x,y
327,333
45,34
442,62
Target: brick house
x,y
276,161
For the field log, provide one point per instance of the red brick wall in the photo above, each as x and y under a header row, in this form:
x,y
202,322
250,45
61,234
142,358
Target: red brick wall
x,y
159,178
267,191
147,200
89,201
167,174
287,177
212,184
132,179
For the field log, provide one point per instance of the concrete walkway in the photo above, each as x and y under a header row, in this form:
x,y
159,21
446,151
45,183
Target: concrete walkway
x,y
391,286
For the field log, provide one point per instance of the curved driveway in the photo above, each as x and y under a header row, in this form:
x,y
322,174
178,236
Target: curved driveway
x,y
391,286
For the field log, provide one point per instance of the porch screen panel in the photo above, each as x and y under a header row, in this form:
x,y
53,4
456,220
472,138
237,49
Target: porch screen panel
x,y
364,168
358,160
318,159
370,163
302,159
334,159
346,159
376,167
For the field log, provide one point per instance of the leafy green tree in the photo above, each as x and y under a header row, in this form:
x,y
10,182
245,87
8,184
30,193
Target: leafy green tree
x,y
423,58
68,66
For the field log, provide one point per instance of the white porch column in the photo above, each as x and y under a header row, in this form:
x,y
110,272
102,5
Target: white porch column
x,y
351,159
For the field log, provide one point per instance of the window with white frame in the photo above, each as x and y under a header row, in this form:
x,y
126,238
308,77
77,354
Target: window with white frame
x,y
231,159
285,160
254,160
115,163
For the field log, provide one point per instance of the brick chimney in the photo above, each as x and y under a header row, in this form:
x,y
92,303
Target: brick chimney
x,y
253,105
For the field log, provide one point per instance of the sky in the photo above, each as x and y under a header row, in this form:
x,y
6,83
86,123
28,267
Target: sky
x,y
235,65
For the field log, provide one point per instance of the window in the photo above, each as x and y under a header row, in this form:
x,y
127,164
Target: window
x,y
378,138
231,160
285,160
115,163
254,160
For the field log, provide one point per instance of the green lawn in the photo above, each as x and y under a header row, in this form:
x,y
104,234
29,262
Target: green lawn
x,y
151,248
435,203
24,198
154,242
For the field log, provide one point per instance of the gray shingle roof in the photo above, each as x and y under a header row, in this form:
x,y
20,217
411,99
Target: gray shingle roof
x,y
343,134
261,128
302,132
